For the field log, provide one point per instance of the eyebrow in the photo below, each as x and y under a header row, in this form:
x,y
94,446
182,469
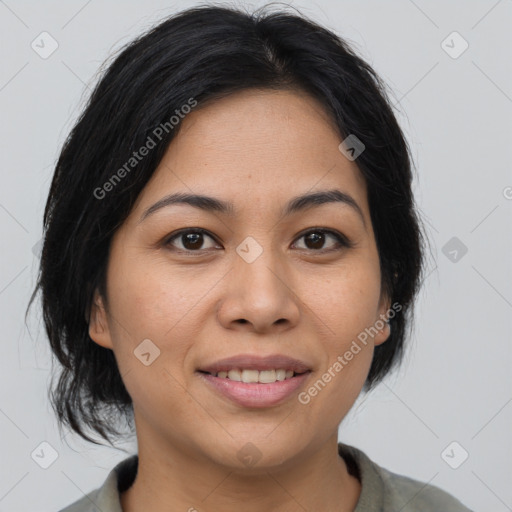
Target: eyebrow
x,y
296,204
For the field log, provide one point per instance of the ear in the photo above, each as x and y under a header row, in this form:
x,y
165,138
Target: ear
x,y
98,324
381,323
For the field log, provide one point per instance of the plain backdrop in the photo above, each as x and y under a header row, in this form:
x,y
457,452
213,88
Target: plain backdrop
x,y
452,398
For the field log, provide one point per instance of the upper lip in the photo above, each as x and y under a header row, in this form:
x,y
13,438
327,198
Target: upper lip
x,y
254,362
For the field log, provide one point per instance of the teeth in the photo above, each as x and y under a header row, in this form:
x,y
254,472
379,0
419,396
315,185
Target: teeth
x,y
234,375
252,376
266,376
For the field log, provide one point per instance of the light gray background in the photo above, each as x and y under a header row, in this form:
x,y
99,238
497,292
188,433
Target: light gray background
x,y
455,384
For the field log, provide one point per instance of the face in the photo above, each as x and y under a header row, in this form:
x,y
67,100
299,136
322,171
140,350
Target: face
x,y
204,285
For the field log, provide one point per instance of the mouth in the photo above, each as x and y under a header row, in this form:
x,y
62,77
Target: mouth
x,y
254,381
254,376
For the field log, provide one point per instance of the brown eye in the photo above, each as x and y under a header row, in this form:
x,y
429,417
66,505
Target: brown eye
x,y
316,238
191,240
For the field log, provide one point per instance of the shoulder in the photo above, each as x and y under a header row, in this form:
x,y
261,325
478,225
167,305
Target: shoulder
x,y
385,491
107,497
416,495
85,504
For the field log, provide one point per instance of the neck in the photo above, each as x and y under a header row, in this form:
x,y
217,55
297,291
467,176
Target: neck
x,y
175,479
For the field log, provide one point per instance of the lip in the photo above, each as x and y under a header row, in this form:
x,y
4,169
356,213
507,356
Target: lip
x,y
257,362
255,395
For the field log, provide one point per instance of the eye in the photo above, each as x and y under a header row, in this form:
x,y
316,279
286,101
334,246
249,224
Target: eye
x,y
315,239
192,240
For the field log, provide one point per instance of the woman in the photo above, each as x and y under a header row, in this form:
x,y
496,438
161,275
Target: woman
x,y
231,255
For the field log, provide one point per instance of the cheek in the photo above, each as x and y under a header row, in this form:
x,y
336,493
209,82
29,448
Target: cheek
x,y
146,306
146,300
347,306
347,303
348,352
150,304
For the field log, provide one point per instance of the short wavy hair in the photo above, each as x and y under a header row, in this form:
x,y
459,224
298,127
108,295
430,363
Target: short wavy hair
x,y
206,52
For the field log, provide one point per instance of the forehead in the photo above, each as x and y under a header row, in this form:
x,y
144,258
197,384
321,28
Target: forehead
x,y
259,148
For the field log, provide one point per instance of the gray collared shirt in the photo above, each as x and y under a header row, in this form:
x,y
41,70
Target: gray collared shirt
x,y
381,490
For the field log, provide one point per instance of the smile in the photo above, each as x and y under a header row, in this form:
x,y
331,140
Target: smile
x,y
254,376
253,388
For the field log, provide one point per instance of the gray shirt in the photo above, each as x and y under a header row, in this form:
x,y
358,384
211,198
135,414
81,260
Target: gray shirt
x,y
381,490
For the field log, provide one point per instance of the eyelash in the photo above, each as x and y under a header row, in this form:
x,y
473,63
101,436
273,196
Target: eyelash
x,y
342,240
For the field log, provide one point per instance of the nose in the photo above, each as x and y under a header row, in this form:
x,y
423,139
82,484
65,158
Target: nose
x,y
259,296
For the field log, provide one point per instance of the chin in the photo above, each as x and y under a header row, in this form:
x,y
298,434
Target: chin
x,y
252,455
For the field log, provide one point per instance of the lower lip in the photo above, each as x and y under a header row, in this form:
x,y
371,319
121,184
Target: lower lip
x,y
255,394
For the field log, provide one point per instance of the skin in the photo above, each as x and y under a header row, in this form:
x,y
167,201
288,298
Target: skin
x,y
257,149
